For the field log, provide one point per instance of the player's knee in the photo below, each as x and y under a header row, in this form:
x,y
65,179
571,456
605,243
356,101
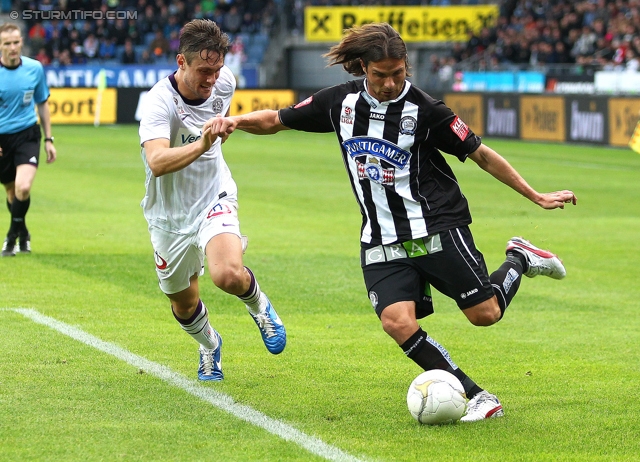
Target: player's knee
x,y
397,326
22,191
184,309
230,279
483,316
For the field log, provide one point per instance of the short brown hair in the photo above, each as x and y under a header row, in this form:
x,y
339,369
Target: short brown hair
x,y
203,37
8,27
369,43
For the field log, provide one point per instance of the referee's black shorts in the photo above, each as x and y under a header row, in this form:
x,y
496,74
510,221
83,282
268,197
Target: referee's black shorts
x,y
454,267
19,148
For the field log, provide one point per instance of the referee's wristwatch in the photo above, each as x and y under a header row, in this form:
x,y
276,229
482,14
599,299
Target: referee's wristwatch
x,y
49,139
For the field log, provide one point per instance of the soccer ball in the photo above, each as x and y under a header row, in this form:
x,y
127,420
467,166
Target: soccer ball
x,y
436,397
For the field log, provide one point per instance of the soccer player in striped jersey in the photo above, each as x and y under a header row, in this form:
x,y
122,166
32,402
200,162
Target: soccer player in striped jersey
x,y
190,201
22,86
415,219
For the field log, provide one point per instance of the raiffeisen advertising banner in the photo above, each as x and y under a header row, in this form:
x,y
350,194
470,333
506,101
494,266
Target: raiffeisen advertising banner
x,y
413,23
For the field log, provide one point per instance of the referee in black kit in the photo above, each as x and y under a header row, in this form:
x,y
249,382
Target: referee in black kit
x,y
415,219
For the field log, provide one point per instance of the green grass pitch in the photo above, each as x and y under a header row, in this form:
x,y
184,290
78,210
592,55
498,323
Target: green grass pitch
x,y
564,361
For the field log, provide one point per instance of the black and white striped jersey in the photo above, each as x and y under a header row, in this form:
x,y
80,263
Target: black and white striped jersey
x,y
391,151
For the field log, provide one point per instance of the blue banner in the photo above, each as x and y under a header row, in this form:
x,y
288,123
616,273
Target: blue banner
x,y
521,82
120,76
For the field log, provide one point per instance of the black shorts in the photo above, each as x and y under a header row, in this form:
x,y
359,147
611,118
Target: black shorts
x,y
448,261
19,148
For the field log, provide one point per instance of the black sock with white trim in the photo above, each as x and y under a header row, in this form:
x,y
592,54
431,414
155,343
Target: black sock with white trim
x,y
506,281
429,354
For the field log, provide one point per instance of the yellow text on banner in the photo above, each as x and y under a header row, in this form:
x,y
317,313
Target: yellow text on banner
x,y
413,23
79,106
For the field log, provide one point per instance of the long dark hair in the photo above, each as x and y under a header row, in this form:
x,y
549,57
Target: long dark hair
x,y
203,37
369,43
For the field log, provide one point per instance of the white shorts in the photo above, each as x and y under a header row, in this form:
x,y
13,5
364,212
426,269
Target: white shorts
x,y
179,256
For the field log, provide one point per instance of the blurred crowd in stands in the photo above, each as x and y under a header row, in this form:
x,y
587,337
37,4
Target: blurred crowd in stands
x,y
599,34
584,35
152,37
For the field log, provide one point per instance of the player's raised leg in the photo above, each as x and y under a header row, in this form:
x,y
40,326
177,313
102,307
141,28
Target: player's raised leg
x,y
224,257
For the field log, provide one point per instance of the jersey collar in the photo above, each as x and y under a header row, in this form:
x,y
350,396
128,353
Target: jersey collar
x,y
374,103
11,68
190,102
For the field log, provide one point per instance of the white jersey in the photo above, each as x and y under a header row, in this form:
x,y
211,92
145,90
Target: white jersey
x,y
177,202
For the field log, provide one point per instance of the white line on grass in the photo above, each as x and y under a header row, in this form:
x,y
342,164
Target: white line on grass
x,y
216,398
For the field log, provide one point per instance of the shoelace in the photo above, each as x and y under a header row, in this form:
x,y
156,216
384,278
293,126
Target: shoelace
x,y
207,362
478,400
265,324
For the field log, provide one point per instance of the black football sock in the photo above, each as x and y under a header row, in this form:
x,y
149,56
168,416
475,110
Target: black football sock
x,y
8,205
18,213
506,280
429,354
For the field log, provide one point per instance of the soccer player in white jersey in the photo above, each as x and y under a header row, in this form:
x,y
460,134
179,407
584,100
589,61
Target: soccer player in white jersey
x,y
22,86
191,199
415,219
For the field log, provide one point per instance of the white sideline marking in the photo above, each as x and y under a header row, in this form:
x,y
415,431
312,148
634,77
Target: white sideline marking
x,y
216,398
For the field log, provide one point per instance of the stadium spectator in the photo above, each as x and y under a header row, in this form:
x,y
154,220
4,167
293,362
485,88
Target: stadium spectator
x,y
91,46
43,57
107,49
20,132
190,201
146,58
128,53
232,20
148,23
159,46
37,35
120,31
414,234
61,59
76,52
174,42
631,61
235,59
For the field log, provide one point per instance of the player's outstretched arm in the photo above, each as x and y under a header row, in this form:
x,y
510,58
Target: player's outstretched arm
x,y
497,166
265,122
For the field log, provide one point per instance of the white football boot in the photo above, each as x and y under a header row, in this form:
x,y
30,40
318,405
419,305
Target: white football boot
x,y
539,262
482,406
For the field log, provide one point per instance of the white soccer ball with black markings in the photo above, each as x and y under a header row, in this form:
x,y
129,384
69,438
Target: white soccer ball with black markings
x,y
436,397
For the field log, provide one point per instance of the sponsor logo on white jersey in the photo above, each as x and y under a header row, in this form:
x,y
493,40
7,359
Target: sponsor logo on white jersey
x,y
187,135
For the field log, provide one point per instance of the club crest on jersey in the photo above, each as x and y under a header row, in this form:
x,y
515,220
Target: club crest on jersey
x,y
459,128
408,125
217,105
347,116
382,149
372,170
217,210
